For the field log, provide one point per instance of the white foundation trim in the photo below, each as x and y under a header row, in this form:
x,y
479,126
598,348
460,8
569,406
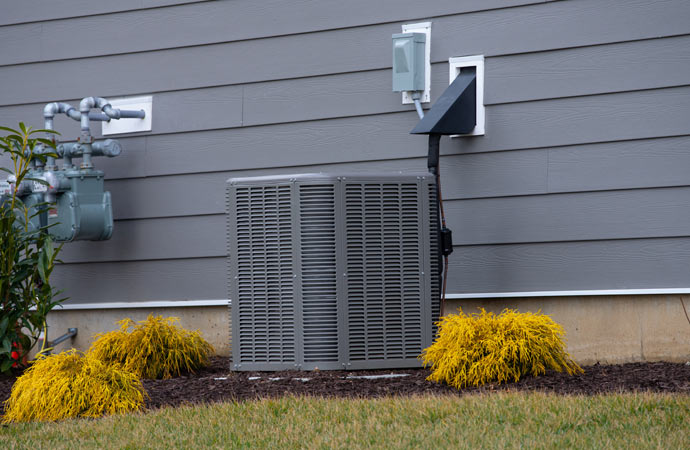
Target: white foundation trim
x,y
583,293
226,302
138,305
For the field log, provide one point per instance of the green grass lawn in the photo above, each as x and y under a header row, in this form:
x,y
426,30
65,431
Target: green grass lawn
x,y
475,421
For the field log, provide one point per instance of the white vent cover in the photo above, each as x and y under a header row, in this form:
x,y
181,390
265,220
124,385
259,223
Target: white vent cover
x,y
334,272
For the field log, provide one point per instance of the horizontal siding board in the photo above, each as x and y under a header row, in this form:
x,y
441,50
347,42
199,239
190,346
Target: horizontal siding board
x,y
547,218
580,120
557,25
331,96
644,163
629,66
547,123
620,67
475,175
182,279
130,163
197,109
173,112
216,22
590,70
226,21
513,126
587,265
152,197
618,165
620,264
637,213
41,10
552,26
19,43
180,237
317,142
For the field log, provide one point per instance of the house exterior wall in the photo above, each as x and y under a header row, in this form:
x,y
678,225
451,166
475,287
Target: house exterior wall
x,y
580,182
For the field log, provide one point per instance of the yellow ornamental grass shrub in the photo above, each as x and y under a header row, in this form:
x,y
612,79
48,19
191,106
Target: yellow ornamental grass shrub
x,y
154,348
70,384
471,350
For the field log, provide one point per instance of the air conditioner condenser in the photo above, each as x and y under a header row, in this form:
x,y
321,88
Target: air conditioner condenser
x,y
332,271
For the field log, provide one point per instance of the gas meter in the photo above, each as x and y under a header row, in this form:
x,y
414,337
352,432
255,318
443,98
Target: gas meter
x,y
78,206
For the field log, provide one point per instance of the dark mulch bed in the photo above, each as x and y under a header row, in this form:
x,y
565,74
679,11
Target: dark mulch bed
x,y
217,383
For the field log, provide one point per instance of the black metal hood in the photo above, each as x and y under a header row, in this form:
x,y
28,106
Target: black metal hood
x,y
455,112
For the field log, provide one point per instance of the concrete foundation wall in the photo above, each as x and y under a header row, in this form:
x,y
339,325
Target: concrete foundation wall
x,y
606,329
212,321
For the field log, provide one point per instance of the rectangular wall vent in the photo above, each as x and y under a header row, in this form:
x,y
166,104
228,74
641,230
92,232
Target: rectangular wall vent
x,y
334,272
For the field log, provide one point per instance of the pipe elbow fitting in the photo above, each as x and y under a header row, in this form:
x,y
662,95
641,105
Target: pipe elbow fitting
x,y
86,104
111,112
50,110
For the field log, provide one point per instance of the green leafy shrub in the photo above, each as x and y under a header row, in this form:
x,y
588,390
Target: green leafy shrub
x,y
480,348
27,254
68,385
154,348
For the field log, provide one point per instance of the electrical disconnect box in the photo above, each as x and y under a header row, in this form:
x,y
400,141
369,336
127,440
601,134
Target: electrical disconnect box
x,y
408,62
70,200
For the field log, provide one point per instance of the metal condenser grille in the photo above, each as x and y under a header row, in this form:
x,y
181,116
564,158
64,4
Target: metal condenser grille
x,y
318,253
264,284
330,271
384,264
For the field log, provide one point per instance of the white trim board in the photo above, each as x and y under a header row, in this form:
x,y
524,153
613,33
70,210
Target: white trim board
x,y
583,293
226,302
139,305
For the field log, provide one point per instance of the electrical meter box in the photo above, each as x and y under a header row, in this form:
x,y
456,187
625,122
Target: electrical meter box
x,y
408,61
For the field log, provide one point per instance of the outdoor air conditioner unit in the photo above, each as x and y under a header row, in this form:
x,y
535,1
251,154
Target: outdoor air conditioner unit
x,y
332,272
